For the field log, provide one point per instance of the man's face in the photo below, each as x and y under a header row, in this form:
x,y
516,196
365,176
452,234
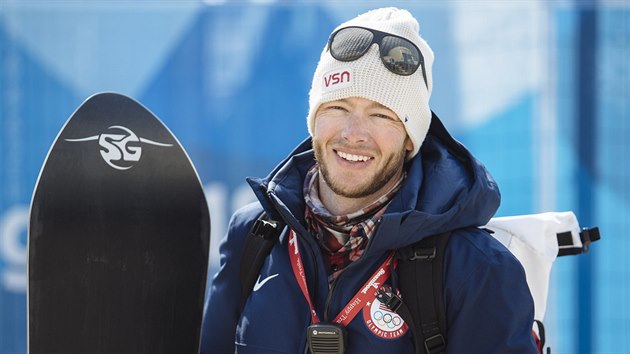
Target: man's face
x,y
360,146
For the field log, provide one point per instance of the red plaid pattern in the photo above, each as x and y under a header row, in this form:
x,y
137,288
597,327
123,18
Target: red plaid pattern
x,y
342,237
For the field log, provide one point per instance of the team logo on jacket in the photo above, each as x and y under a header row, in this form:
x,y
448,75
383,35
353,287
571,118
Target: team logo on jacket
x,y
382,321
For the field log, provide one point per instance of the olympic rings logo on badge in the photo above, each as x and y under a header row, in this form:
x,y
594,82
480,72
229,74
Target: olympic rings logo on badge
x,y
382,321
386,320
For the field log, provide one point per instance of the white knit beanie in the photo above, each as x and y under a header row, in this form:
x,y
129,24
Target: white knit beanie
x,y
367,77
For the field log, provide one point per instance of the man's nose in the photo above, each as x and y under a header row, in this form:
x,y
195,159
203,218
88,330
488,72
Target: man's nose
x,y
355,127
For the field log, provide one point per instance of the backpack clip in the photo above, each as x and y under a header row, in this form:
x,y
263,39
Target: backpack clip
x,y
435,344
265,229
416,253
389,299
587,236
423,254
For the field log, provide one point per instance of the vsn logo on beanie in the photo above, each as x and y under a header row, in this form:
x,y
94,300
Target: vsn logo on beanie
x,y
367,77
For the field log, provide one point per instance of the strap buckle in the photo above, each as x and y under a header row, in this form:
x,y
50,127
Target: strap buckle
x,y
389,299
423,254
587,236
265,229
435,344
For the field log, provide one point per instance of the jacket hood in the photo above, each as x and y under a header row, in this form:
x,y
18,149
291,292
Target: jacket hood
x,y
446,189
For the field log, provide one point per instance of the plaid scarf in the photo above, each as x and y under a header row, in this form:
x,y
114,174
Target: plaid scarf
x,y
341,237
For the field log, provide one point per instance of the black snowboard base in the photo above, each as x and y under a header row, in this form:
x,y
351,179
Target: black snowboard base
x,y
118,237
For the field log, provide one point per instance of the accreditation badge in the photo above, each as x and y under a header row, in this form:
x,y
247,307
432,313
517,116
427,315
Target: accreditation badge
x,y
383,322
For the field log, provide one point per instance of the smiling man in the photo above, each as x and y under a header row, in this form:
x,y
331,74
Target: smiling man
x,y
360,146
379,173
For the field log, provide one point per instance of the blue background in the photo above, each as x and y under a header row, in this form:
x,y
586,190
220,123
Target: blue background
x,y
538,90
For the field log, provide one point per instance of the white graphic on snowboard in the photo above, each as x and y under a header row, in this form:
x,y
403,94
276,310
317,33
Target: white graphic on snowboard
x,y
114,146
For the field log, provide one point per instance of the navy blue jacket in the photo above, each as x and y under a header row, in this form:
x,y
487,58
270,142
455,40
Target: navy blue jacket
x,y
489,306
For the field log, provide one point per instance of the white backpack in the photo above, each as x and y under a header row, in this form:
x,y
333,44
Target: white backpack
x,y
537,240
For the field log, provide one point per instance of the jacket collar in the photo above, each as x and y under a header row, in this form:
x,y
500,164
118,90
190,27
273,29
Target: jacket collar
x,y
446,188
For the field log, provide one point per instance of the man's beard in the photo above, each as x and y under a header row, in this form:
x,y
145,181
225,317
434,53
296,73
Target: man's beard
x,y
393,166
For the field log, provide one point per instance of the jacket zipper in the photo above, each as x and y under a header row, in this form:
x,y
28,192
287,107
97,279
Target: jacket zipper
x,y
329,297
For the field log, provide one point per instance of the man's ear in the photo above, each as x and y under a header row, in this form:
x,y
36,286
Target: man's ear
x,y
408,144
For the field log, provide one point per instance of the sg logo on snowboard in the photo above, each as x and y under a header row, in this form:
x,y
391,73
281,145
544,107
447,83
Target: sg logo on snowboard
x,y
115,149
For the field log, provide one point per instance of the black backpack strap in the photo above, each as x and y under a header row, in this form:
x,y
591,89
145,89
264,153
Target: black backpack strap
x,y
421,285
540,337
258,244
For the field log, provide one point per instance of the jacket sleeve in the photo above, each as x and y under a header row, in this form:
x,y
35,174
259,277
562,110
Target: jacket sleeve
x,y
489,306
222,307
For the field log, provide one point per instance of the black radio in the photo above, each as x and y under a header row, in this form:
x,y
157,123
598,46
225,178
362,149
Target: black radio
x,y
326,338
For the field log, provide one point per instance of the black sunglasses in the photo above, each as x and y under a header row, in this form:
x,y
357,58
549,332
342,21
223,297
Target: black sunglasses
x,y
399,55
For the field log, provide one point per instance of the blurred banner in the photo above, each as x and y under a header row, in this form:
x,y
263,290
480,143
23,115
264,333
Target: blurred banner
x,y
538,90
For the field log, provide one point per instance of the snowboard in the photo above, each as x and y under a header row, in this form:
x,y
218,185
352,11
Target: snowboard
x,y
118,237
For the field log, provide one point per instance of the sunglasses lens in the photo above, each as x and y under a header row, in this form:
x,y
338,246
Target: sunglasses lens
x,y
350,43
399,55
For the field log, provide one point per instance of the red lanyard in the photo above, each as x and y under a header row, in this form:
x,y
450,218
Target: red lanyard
x,y
367,292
